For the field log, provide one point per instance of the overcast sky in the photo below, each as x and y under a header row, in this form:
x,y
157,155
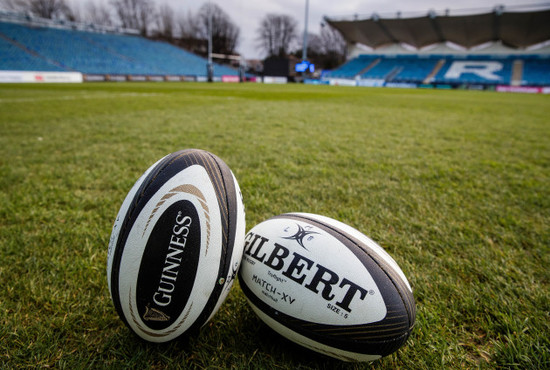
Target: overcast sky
x,y
248,13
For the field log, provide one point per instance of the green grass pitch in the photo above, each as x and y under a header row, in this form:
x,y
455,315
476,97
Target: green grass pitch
x,y
455,185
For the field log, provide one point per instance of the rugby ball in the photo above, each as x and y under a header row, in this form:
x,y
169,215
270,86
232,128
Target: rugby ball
x,y
327,287
176,245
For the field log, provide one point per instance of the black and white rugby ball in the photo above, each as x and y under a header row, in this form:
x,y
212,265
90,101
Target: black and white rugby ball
x,y
326,286
176,245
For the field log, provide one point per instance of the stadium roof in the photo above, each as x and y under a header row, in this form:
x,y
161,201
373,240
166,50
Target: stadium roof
x,y
514,29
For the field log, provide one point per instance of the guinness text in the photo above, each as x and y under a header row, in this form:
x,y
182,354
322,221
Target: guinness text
x,y
172,262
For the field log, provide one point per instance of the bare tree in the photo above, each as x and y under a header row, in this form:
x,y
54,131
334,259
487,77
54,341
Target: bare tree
x,y
189,26
50,9
136,14
98,13
225,34
326,50
332,41
314,45
276,34
333,46
188,33
166,23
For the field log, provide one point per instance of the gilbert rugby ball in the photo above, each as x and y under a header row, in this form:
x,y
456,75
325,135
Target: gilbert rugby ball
x,y
176,245
327,287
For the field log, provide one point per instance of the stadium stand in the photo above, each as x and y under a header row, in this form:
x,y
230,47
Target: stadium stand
x,y
473,69
415,68
402,68
481,50
25,47
536,71
16,58
353,67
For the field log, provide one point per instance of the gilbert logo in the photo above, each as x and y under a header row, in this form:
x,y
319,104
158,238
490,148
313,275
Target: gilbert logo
x,y
301,234
319,279
172,262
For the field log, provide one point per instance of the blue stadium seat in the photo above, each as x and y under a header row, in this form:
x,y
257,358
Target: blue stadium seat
x,y
476,69
415,69
383,69
395,68
536,70
352,68
98,53
13,58
471,69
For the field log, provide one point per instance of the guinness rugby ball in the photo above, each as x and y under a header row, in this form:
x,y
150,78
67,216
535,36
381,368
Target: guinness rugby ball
x,y
327,287
176,245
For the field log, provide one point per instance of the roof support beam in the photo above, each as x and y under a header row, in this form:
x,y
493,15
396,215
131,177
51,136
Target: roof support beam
x,y
497,14
383,28
434,21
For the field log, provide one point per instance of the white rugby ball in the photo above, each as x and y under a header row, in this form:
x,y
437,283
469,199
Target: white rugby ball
x,y
176,245
327,287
